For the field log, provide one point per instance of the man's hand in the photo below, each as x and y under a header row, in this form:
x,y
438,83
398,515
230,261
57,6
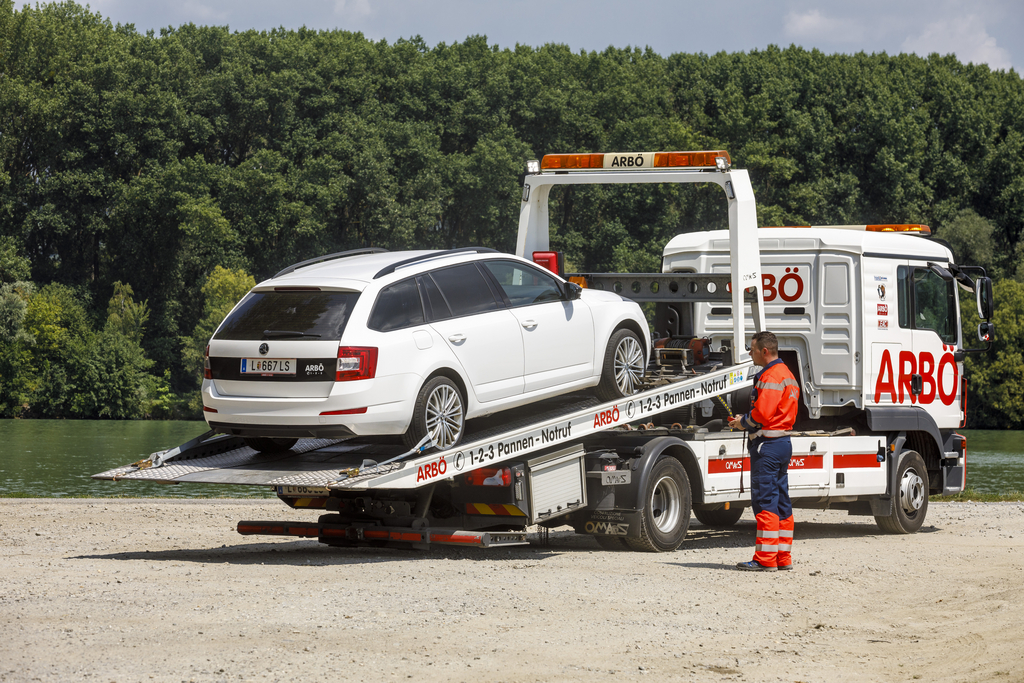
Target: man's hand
x,y
736,423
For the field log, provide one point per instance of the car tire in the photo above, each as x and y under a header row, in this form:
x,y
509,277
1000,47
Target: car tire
x,y
623,366
270,445
440,410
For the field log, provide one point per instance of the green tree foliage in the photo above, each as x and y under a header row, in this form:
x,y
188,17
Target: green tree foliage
x,y
222,290
995,381
153,159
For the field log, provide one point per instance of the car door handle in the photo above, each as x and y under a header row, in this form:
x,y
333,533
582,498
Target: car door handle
x,y
529,324
456,338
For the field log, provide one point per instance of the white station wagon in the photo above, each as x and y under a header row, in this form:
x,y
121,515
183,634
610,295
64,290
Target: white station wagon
x,y
412,343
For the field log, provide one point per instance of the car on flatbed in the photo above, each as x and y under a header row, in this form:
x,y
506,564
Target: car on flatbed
x,y
412,343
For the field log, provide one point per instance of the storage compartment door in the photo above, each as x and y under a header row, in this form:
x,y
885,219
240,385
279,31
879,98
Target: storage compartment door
x,y
557,483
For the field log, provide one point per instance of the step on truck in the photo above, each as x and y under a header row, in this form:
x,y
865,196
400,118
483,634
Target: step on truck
x,y
867,318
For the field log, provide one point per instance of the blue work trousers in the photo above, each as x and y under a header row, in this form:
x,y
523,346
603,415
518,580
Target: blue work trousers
x,y
769,475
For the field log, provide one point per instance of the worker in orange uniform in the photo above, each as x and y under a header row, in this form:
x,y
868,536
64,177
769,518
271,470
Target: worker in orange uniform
x,y
774,403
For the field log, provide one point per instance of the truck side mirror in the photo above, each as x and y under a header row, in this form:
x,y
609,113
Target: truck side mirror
x,y
986,332
983,287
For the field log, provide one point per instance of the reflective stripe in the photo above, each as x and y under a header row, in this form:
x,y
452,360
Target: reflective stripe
x,y
785,547
765,548
770,433
767,534
777,386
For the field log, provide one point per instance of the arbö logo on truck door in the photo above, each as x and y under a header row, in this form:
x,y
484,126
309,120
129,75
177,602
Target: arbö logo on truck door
x,y
941,380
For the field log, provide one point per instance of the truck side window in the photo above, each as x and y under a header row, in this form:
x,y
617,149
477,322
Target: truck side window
x,y
927,302
397,306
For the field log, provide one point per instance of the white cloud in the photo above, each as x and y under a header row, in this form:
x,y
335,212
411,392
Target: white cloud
x,y
814,28
352,9
964,36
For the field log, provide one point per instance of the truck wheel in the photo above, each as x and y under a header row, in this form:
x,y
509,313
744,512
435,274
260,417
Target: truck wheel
x,y
719,518
666,513
440,412
910,506
266,445
623,367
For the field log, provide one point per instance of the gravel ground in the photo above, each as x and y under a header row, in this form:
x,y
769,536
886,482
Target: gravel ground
x,y
141,590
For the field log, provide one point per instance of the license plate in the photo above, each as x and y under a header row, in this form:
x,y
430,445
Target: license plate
x,y
302,491
268,366
615,477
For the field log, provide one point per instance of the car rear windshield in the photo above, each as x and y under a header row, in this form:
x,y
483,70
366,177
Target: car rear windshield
x,y
289,315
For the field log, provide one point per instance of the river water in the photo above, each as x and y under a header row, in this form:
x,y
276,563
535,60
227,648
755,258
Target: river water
x,y
55,458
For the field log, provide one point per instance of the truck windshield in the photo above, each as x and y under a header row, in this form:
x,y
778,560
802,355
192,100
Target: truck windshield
x,y
305,316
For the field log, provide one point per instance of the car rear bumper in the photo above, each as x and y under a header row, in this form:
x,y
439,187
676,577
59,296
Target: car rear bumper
x,y
381,399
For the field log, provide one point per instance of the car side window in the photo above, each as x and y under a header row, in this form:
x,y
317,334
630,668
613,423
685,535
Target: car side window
x,y
397,306
437,307
465,290
524,285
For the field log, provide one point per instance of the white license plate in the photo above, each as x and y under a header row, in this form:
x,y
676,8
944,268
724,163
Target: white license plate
x,y
302,491
268,366
615,477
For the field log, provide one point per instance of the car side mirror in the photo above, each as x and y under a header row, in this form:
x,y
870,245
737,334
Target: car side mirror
x,y
572,291
983,288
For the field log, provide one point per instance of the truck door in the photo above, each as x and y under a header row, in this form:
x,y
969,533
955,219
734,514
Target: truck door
x,y
930,375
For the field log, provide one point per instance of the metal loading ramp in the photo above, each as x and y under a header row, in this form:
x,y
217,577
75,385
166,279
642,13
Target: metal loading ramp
x,y
353,463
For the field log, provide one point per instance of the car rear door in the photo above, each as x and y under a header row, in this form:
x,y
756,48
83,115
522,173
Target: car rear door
x,y
558,335
480,331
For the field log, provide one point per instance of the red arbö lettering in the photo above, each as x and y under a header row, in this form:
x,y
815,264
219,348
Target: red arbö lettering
x,y
933,379
431,470
790,286
606,417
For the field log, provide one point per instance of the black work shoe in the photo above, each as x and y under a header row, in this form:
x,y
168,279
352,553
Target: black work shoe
x,y
785,567
755,566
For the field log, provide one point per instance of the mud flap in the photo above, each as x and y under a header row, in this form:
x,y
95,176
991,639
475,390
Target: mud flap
x,y
624,523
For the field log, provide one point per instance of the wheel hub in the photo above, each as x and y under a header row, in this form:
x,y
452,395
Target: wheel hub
x,y
444,416
629,366
666,504
911,492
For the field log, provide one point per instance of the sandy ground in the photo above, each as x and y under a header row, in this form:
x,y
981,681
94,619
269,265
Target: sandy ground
x,y
119,590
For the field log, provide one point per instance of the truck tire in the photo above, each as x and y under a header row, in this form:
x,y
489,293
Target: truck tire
x,y
623,367
439,410
269,445
910,503
666,514
719,518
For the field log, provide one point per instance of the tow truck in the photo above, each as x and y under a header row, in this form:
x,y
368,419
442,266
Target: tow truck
x,y
867,318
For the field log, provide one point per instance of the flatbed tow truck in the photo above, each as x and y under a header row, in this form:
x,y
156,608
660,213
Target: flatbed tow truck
x,y
629,472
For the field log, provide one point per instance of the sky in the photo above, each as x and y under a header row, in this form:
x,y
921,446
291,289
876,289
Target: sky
x,y
979,31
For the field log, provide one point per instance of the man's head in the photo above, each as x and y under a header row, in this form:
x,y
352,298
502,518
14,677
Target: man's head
x,y
764,348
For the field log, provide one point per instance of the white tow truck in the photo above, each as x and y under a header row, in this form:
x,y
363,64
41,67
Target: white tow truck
x,y
867,319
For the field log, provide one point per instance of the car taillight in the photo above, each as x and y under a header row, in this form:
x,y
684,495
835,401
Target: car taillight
x,y
207,372
356,362
489,476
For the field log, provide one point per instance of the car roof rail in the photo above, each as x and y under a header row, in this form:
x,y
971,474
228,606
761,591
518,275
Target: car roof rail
x,y
423,257
328,257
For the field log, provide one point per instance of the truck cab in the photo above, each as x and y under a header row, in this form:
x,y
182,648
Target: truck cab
x,y
868,320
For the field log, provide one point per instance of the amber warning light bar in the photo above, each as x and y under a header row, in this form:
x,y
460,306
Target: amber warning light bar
x,y
901,227
718,160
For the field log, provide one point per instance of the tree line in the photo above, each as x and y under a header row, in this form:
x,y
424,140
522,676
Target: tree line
x,y
148,179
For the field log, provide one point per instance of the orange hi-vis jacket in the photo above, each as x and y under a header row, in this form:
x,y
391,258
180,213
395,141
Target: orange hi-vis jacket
x,y
774,400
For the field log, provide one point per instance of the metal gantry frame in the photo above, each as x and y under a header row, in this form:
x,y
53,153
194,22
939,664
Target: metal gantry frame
x,y
744,256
